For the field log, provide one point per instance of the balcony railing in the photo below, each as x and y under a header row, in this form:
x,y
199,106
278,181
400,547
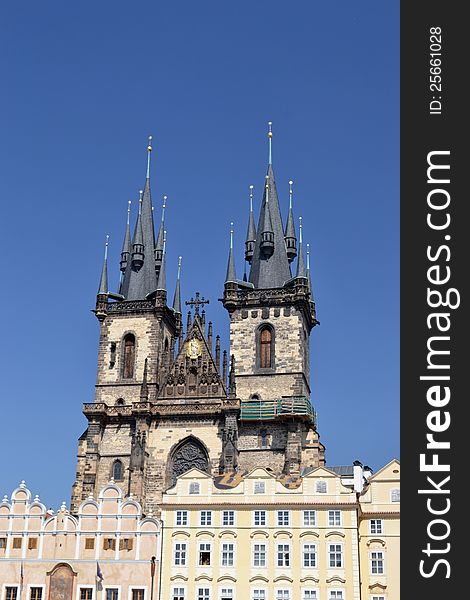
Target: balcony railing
x,y
267,410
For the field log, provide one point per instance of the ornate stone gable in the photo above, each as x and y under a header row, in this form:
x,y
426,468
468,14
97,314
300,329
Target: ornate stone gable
x,y
194,372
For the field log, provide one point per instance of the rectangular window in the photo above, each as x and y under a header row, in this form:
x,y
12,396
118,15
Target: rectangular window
x,y
259,555
260,487
309,595
378,598
395,495
335,552
283,518
86,593
226,594
259,595
138,594
3,543
320,487
89,543
181,518
11,593
17,543
336,595
35,593
334,518
310,518
32,543
112,594
309,555
179,554
109,544
205,518
203,594
204,555
377,563
376,526
259,518
194,487
228,518
126,544
178,593
283,595
228,552
283,555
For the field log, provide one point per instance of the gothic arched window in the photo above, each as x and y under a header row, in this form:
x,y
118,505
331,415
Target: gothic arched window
x,y
263,438
129,357
118,470
266,347
189,454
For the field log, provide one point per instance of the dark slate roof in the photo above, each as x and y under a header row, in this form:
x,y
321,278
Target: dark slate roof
x,y
137,284
343,471
230,276
301,270
251,230
290,229
270,272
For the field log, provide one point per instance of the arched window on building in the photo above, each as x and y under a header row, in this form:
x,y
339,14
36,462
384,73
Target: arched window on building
x,y
129,357
263,439
118,471
266,348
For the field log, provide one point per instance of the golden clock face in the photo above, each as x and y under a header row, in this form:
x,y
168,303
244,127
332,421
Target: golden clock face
x,y
194,348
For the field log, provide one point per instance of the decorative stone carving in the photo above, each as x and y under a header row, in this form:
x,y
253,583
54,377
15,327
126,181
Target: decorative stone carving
x,y
188,456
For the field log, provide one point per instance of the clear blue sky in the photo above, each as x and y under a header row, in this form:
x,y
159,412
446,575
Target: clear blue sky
x,y
84,83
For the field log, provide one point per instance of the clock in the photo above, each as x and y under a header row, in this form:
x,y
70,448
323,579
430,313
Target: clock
x,y
194,348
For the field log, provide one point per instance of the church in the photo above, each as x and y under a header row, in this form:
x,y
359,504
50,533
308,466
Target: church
x,y
201,474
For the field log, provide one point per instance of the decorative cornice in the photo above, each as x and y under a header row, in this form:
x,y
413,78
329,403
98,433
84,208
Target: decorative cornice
x,y
279,533
309,578
259,532
210,533
203,577
376,541
283,578
258,578
336,578
314,533
176,577
335,533
180,532
226,577
227,532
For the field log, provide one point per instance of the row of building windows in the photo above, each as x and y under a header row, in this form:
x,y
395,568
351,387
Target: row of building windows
x,y
108,543
283,555
180,593
85,593
259,487
283,519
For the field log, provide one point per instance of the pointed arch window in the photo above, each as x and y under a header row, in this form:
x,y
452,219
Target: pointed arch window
x,y
129,357
266,347
118,471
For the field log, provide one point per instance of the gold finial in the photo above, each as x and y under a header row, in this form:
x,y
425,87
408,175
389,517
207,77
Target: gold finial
x,y
290,193
270,138
180,259
165,198
106,248
251,198
129,211
149,150
231,235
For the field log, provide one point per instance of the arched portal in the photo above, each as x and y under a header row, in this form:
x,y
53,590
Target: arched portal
x,y
188,454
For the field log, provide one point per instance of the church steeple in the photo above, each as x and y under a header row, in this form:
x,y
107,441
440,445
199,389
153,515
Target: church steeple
x,y
161,284
140,278
291,240
159,244
126,246
231,275
301,271
250,232
270,264
103,288
177,296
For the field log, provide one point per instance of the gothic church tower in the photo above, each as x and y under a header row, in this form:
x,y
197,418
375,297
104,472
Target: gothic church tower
x,y
164,399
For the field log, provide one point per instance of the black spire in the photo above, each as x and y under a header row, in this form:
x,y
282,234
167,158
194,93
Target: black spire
x,y
161,283
301,270
160,236
270,271
126,246
140,278
231,276
251,232
290,237
103,289
177,296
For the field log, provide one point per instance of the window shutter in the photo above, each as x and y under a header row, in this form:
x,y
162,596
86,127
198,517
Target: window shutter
x,y
121,544
130,543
